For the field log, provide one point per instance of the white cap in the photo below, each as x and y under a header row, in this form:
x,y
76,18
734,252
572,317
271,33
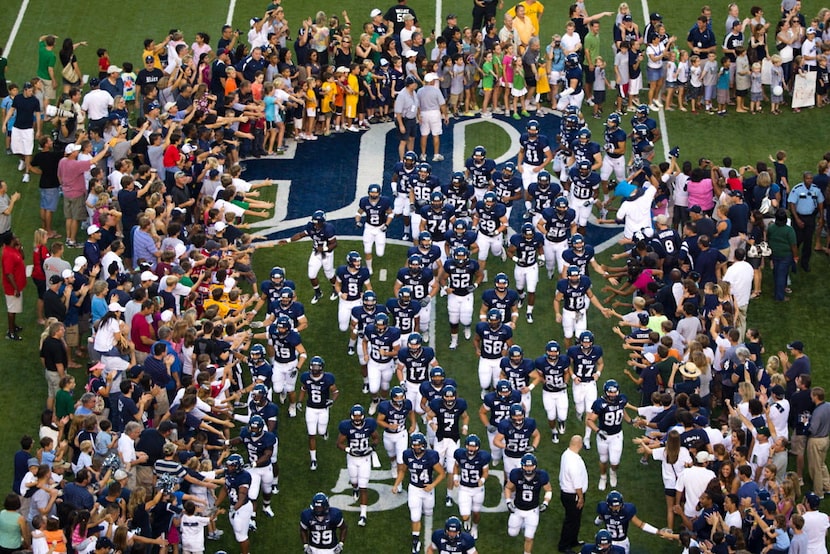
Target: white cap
x,y
229,284
409,53
79,262
703,457
92,229
375,12
180,249
188,148
67,273
113,69
430,77
220,226
169,105
70,148
115,307
166,315
149,276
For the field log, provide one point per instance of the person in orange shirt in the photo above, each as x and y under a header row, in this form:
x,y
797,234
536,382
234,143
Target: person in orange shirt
x,y
341,82
230,81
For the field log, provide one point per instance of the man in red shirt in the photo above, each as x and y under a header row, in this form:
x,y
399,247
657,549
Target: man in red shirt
x,y
14,281
141,332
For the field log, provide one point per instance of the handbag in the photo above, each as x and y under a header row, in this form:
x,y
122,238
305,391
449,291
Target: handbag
x,y
69,73
760,250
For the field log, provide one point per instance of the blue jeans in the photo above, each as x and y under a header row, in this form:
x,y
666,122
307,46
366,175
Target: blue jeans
x,y
780,270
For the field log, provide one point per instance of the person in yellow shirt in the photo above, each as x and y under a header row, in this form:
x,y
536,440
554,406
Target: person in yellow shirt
x,y
216,299
154,50
310,108
352,96
533,10
329,91
523,26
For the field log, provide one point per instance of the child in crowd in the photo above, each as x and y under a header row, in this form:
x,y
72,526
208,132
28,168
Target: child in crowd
x,y
488,80
621,75
822,81
5,105
457,83
471,75
499,84
723,85
695,83
328,91
776,78
742,79
310,109
103,63
710,80
507,76
601,84
128,76
756,89
683,67
445,76
519,90
671,79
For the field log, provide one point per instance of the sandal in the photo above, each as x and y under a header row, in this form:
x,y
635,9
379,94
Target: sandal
x,y
756,294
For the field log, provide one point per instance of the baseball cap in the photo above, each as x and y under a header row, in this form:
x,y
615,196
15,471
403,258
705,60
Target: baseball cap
x,y
696,209
220,226
701,420
813,500
763,430
224,51
189,148
123,278
96,367
114,69
778,390
624,189
656,16
70,148
55,279
115,307
167,316
627,17
153,106
120,474
811,30
409,53
702,457
410,80
32,462
642,318
384,61
213,173
92,229
149,276
79,262
451,16
374,13
67,273
169,105
180,175
796,345
768,505
28,85
149,59
430,77
94,82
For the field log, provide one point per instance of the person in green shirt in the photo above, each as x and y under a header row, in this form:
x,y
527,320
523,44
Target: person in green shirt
x,y
590,45
64,403
46,59
782,242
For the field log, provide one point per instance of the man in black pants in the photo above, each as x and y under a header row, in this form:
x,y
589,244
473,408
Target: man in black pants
x,y
807,207
484,10
573,483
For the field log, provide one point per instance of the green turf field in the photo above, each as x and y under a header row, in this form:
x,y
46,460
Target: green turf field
x,y
122,27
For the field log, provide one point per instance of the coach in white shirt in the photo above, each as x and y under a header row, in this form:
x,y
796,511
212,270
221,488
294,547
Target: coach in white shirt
x,y
573,482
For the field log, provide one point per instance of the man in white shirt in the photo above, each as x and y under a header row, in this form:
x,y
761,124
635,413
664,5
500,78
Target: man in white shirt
x,y
779,411
573,482
692,483
126,451
815,524
96,104
740,275
635,210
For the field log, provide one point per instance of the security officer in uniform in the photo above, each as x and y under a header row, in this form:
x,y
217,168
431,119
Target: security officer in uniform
x,y
807,207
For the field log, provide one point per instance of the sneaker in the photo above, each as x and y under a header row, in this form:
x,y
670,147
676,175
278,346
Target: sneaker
x,y
516,116
218,533
416,545
313,465
503,255
498,111
590,101
11,335
586,444
438,158
283,396
353,129
602,482
423,157
474,532
654,107
613,479
317,297
482,394
356,494
529,318
495,463
525,113
212,536
485,277
361,522
252,525
350,351
373,408
365,388
333,295
71,243
448,501
21,165
407,237
521,303
268,511
275,489
554,437
425,336
467,333
603,213
453,344
25,177
292,411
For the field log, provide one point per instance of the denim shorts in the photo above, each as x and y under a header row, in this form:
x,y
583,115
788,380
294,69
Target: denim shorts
x,y
49,199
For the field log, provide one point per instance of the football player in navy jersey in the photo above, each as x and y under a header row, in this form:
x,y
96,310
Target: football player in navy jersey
x,y
580,255
262,373
397,418
378,212
520,372
527,252
640,144
583,190
490,220
508,186
425,472
449,420
362,316
381,343
616,515
405,311
414,363
574,93
424,184
557,224
403,174
602,545
429,253
323,243
540,195
460,235
452,540
472,467
261,406
555,370
666,242
421,281
502,298
432,389
285,347
525,499
479,171
459,195
614,159
237,482
568,135
261,446
270,289
534,153
586,370
492,339
319,391
642,118
494,409
606,417
287,305
322,528
358,438
436,219
351,280
459,279
516,435
583,148
570,304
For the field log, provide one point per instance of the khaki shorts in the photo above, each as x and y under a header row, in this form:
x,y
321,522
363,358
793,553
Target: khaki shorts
x,y
52,381
48,89
798,443
75,208
72,336
14,304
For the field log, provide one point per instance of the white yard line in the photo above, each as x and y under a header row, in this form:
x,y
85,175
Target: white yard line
x,y
231,9
20,13
661,114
